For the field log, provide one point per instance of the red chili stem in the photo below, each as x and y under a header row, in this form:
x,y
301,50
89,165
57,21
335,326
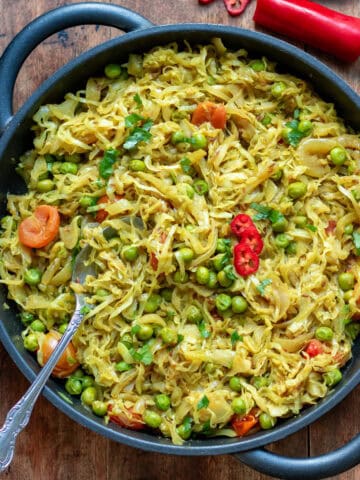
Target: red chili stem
x,y
236,7
311,23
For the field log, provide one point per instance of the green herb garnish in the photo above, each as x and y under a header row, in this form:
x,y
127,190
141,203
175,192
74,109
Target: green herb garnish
x,y
85,310
203,403
138,100
140,131
262,285
267,213
107,163
202,329
235,337
144,355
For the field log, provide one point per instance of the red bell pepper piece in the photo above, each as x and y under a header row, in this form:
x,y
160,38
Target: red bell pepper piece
x,y
309,22
240,223
246,261
252,238
236,7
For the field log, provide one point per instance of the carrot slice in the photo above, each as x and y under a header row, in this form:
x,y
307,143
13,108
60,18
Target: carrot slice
x,y
209,112
41,228
243,424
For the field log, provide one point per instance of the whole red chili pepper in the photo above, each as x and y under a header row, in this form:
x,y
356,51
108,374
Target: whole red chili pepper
x,y
236,7
321,27
246,260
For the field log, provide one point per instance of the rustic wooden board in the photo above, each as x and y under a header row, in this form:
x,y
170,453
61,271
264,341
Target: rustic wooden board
x,y
53,446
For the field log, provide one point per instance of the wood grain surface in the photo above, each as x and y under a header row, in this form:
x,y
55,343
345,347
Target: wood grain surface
x,y
53,447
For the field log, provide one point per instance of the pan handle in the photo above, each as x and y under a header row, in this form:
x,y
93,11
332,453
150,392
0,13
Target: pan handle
x,y
49,23
313,468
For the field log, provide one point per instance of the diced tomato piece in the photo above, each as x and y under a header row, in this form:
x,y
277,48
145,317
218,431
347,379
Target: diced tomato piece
x,y
209,112
252,238
246,261
331,227
242,424
314,347
154,262
102,214
67,363
240,223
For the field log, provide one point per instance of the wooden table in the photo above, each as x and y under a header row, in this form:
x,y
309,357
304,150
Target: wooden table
x,y
53,447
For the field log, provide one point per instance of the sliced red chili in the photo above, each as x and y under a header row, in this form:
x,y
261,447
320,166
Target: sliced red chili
x,y
205,2
240,223
252,238
236,7
246,260
314,347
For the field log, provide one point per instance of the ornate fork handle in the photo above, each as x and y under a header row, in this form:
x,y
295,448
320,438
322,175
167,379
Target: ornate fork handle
x,y
19,415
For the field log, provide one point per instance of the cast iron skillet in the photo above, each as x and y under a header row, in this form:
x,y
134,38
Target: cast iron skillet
x,y
16,139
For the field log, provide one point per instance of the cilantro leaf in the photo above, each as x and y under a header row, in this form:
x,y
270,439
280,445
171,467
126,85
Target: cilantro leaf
x,y
311,227
132,120
230,273
235,337
144,355
266,213
203,403
186,166
138,134
262,285
202,329
138,100
187,424
206,426
85,310
107,162
180,338
356,240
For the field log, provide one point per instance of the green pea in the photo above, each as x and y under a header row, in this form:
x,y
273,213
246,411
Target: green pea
x,y
145,332
31,342
236,383
86,201
198,140
305,126
356,194
194,314
202,275
267,119
87,381
88,396
152,419
37,326
201,187
113,70
73,386
181,277
220,261
297,190
300,221
78,373
348,230
280,225
69,167
44,186
26,317
324,333
332,377
32,276
212,282
123,367
130,253
278,89
178,137
152,303
291,249
266,421
239,304
137,165
277,175
186,189
238,406
346,281
99,408
184,431
162,402
166,294
348,295
257,65
169,336
338,156
62,328
223,302
101,292
282,240
222,245
185,254
210,368
260,382
224,280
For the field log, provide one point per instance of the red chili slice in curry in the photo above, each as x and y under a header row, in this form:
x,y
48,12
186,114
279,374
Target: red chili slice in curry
x,y
252,238
246,261
240,223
